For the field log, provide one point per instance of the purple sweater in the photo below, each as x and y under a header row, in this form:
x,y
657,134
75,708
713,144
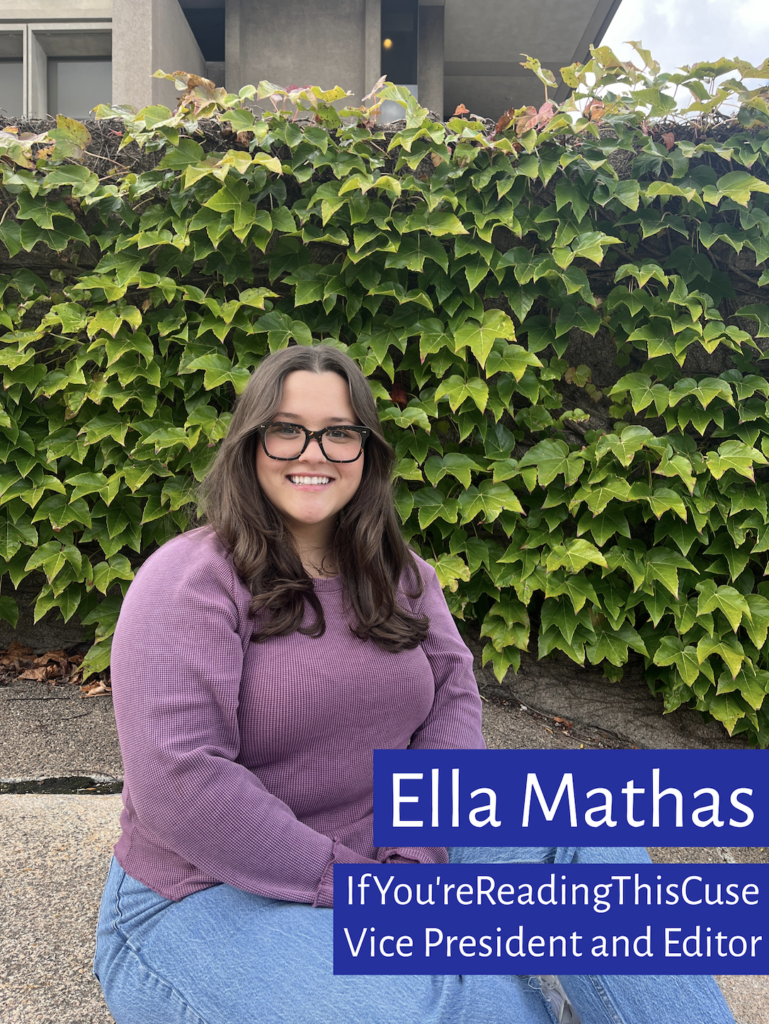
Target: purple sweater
x,y
251,764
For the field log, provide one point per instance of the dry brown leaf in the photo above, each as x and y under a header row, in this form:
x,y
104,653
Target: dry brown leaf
x,y
37,674
17,650
60,657
505,120
594,110
96,689
461,109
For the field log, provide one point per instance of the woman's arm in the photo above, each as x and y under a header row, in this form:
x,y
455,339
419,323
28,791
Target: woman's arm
x,y
176,670
454,721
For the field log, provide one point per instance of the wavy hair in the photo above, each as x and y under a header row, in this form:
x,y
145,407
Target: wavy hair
x,y
369,550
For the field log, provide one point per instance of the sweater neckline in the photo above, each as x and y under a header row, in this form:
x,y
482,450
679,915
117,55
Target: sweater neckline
x,y
326,584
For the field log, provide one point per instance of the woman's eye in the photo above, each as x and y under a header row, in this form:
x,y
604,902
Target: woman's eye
x,y
284,430
341,435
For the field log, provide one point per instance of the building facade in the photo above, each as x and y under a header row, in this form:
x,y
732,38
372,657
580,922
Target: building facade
x,y
65,56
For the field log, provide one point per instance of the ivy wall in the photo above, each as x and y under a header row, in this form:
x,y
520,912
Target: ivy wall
x,y
561,318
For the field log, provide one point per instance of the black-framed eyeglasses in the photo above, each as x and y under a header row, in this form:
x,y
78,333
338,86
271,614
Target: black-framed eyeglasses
x,y
287,441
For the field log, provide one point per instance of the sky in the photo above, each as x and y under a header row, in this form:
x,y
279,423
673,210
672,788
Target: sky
x,y
686,31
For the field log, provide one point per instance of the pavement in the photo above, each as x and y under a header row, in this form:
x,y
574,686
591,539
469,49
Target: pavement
x,y
61,772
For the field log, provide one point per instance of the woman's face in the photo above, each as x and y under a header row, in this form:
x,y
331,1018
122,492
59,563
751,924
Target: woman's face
x,y
310,491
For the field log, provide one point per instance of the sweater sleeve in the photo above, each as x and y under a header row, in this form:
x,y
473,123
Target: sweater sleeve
x,y
454,721
176,670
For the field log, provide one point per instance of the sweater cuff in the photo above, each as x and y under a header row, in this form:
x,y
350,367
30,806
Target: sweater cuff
x,y
340,854
412,854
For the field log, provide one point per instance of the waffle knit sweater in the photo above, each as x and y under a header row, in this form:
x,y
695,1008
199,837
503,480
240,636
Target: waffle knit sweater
x,y
251,764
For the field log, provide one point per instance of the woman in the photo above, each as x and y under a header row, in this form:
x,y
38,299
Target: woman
x,y
257,663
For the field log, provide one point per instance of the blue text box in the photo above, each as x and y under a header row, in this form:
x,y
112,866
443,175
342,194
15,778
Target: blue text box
x,y
551,919
571,798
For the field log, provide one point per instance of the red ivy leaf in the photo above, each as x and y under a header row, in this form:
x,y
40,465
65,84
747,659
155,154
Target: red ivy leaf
x,y
505,120
399,396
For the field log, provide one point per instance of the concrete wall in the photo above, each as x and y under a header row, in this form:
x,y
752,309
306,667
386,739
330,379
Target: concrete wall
x,y
430,60
148,35
54,10
303,42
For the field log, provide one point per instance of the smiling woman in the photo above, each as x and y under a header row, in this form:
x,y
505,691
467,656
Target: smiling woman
x,y
289,508
257,663
307,482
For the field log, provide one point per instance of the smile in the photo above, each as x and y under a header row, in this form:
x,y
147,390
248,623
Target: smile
x,y
309,480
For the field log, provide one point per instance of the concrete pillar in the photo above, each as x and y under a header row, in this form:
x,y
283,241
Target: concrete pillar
x,y
148,35
372,44
36,73
430,58
233,36
305,42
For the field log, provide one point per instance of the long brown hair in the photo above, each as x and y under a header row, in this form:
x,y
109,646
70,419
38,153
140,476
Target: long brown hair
x,y
369,550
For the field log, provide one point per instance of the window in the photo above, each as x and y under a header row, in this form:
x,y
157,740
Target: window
x,y
73,70
55,68
400,25
399,41
76,86
11,74
11,87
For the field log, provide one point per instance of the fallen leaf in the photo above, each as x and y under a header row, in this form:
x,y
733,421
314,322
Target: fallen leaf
x,y
60,657
461,109
669,139
95,689
37,674
17,650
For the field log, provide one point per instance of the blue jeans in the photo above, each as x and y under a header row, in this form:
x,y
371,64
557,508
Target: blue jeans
x,y
224,956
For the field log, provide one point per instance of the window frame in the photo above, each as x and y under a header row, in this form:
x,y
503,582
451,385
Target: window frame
x,y
35,55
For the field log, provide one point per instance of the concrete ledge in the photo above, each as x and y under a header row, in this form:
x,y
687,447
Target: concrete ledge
x,y
56,848
53,864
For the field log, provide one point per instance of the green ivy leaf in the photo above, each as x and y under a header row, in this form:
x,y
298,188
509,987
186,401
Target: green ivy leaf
x,y
729,649
737,456
726,599
432,505
663,565
673,651
489,499
574,555
458,390
480,337
612,645
450,569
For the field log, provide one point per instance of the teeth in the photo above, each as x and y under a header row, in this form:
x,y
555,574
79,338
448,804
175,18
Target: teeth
x,y
310,479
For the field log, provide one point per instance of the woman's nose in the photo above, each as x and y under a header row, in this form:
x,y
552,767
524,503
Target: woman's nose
x,y
314,453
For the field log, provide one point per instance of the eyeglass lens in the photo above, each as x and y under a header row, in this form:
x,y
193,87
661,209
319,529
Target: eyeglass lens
x,y
285,441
